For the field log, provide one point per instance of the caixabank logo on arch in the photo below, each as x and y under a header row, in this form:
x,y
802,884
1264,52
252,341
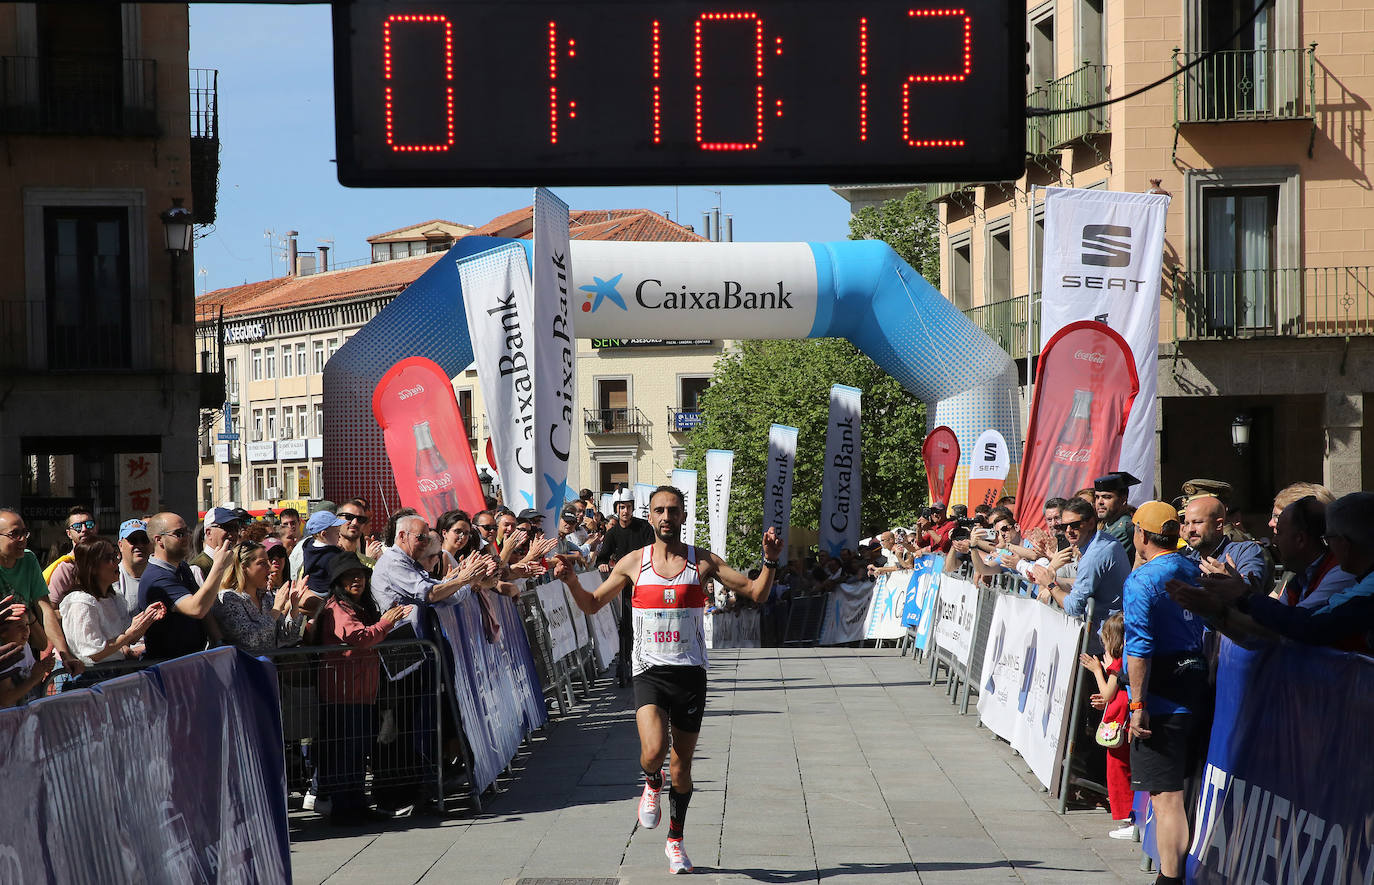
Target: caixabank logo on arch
x,y
682,287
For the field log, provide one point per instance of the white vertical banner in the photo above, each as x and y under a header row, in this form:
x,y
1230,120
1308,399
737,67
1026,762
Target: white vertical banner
x,y
777,489
720,464
841,490
498,300
686,482
1104,253
643,492
607,504
554,357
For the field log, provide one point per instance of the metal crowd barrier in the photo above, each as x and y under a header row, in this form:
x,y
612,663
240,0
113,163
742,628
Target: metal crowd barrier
x,y
805,614
558,674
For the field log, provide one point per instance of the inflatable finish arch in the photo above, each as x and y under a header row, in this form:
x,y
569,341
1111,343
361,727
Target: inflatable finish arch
x,y
856,289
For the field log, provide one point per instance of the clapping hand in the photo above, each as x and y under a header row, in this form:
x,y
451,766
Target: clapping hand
x,y
145,619
375,549
563,567
1061,558
1090,663
11,610
396,613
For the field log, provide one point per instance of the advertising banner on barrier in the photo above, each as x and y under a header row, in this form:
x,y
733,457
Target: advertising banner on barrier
x,y
426,439
500,316
720,464
554,601
1028,666
922,592
554,356
736,629
988,468
884,618
605,633
941,454
578,618
1286,791
777,489
171,774
845,610
954,621
500,700
1085,385
841,488
1104,252
686,482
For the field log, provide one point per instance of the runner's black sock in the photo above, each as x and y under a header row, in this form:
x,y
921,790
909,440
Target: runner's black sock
x,y
654,779
1162,879
677,812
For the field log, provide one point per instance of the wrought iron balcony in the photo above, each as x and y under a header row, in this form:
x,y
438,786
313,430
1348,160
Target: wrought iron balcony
x,y
940,190
683,419
204,144
1085,86
1237,85
629,420
210,357
78,95
1311,302
1005,323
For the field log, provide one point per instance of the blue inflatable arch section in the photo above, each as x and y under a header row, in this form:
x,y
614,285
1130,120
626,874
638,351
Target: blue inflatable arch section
x,y
855,289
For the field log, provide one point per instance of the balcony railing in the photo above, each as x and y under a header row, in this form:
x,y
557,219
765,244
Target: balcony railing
x,y
629,420
1246,84
1312,302
1085,86
210,357
1005,323
78,95
204,144
683,419
940,190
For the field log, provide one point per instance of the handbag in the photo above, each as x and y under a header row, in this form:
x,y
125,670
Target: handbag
x,y
1111,734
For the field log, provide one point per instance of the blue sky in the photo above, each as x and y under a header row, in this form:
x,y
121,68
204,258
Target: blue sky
x,y
277,133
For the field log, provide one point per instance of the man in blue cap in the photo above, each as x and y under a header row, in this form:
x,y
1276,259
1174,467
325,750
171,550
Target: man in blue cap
x,y
134,547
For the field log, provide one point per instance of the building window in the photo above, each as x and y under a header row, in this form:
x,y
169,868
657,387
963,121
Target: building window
x,y
613,475
961,273
259,483
86,263
257,425
269,359
316,481
207,493
288,367
273,485
235,488
997,284
1090,32
288,423
231,378
300,358
1040,35
331,345
1239,237
271,424
319,419
301,420
319,357
257,363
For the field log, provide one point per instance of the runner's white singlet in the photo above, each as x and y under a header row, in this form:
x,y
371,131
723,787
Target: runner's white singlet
x,y
669,616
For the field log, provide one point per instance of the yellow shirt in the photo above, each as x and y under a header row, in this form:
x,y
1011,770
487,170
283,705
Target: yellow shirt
x,y
52,566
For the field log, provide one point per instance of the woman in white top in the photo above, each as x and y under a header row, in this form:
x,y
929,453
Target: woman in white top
x,y
94,617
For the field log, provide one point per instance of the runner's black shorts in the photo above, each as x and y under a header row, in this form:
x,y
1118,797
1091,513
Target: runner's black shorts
x,y
679,691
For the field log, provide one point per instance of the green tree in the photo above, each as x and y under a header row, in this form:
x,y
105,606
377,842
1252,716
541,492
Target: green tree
x,y
760,383
909,225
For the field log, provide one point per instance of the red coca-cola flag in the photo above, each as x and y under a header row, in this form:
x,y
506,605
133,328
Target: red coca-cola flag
x,y
1085,383
941,454
426,439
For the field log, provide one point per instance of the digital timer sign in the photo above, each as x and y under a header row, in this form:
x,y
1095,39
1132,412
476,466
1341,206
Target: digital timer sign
x,y
519,92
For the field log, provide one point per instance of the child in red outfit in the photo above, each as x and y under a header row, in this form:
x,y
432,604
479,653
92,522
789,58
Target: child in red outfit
x,y
1111,700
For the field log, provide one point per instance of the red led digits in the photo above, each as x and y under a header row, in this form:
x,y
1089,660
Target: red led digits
x,y
658,87
553,82
863,84
758,75
936,78
450,128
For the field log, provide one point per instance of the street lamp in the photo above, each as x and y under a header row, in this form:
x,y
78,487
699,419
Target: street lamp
x,y
1240,433
177,228
484,480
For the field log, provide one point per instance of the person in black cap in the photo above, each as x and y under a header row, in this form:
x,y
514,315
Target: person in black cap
x,y
1113,513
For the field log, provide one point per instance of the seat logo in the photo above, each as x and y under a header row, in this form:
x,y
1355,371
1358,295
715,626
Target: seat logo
x,y
1107,245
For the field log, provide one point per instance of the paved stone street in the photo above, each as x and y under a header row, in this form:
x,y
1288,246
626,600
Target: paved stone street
x,y
834,765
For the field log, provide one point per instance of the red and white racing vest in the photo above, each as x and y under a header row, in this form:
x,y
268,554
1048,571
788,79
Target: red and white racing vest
x,y
669,616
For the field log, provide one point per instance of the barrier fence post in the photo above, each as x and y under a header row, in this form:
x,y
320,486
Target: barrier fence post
x,y
1071,739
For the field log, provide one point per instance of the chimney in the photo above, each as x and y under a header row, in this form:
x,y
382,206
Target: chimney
x,y
305,264
324,257
291,252
715,224
729,228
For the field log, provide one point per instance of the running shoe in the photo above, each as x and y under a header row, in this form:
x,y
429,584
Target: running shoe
x,y
1128,833
649,811
678,862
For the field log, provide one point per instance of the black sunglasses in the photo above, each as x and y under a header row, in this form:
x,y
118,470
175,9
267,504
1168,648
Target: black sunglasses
x,y
358,517
1076,525
84,524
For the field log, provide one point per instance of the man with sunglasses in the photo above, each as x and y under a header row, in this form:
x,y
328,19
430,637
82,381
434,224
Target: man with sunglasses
x,y
60,574
353,532
484,524
222,526
1102,569
22,579
168,579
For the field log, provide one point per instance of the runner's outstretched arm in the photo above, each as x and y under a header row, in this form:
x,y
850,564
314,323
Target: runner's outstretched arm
x,y
758,588
590,603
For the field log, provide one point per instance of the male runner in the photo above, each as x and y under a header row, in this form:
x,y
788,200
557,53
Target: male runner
x,y
669,657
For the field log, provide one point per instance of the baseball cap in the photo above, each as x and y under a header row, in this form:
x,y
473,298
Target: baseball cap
x,y
220,516
130,526
1157,517
529,513
321,520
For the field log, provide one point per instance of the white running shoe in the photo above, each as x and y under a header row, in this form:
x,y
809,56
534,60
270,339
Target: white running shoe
x,y
649,811
1127,833
678,862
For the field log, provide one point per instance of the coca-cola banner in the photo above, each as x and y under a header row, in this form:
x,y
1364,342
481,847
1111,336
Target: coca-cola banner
x,y
425,439
1085,385
1103,256
500,314
941,454
777,490
989,464
554,356
686,482
720,464
841,491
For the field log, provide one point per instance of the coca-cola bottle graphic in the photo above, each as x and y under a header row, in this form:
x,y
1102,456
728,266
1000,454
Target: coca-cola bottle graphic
x,y
1072,455
432,476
